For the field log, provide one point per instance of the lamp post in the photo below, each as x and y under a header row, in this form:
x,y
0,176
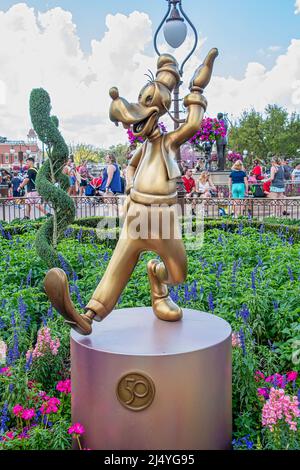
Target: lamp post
x,y
175,33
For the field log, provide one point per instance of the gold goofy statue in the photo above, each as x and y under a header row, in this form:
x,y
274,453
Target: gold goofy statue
x,y
151,188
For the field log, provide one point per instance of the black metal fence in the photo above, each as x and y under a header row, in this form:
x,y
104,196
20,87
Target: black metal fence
x,y
13,209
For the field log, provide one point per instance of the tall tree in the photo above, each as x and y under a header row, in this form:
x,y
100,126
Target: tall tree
x,y
264,134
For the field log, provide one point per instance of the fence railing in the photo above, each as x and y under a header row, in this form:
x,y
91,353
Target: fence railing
x,y
13,209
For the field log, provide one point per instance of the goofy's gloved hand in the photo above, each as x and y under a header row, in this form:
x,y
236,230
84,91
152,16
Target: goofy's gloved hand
x,y
203,73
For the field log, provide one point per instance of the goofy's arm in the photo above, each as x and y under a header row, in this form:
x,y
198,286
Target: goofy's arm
x,y
195,103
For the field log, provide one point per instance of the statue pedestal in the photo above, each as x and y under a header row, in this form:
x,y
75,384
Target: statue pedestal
x,y
220,178
139,383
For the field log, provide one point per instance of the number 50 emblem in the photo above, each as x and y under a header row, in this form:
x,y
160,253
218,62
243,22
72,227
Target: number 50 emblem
x,y
135,391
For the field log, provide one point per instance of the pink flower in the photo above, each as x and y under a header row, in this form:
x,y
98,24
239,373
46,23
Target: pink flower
x,y
259,376
10,435
50,406
292,376
235,340
28,414
263,392
277,380
280,408
76,429
5,371
45,344
64,386
17,410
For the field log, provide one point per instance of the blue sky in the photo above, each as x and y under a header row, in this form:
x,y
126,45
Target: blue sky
x,y
243,30
259,61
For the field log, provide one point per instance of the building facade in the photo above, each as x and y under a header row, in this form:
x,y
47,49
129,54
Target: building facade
x,y
13,153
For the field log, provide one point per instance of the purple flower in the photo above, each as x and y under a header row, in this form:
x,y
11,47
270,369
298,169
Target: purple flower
x,y
79,235
64,264
16,352
253,279
78,296
211,305
244,313
50,312
4,418
220,239
22,308
13,319
28,362
243,341
174,294
219,270
233,278
28,280
291,275
187,295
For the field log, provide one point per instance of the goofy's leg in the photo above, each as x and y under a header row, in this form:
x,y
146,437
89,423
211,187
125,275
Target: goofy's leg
x,y
106,295
171,271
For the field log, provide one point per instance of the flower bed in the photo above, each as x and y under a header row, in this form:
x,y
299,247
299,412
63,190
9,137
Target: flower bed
x,y
245,274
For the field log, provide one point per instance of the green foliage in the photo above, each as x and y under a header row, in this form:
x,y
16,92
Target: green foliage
x,y
51,183
245,272
88,153
266,134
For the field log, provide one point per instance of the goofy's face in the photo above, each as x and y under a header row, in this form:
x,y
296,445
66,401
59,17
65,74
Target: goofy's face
x,y
153,102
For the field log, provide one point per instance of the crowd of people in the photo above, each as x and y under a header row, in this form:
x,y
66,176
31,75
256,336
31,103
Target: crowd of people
x,y
111,181
258,182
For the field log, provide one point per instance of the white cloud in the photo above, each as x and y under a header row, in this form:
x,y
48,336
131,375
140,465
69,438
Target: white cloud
x,y
2,92
43,49
260,86
297,7
274,48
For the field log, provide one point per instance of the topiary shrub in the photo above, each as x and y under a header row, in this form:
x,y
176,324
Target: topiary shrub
x,y
51,183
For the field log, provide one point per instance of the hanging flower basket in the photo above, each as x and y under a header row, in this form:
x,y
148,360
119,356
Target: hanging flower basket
x,y
210,131
234,157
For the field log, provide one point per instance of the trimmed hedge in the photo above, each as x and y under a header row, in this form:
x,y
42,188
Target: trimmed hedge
x,y
85,229
51,183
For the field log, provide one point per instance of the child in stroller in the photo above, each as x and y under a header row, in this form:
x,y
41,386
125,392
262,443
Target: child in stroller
x,y
93,187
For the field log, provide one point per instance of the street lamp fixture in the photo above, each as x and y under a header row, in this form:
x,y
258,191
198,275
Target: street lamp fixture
x,y
175,33
175,29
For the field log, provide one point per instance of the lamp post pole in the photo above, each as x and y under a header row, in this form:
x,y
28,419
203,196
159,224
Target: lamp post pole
x,y
175,32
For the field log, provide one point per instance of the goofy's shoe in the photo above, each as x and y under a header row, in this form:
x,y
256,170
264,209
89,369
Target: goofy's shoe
x,y
163,306
57,288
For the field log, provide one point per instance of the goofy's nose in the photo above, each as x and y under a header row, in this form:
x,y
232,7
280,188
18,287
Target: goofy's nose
x,y
114,93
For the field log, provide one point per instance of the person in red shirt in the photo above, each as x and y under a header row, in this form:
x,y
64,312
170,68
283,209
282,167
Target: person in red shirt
x,y
190,187
257,171
189,182
266,188
95,183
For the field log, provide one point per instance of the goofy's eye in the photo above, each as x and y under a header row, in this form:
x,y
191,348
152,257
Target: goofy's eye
x,y
148,99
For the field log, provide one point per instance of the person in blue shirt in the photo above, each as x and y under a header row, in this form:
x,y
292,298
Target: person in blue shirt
x,y
238,181
238,186
15,183
111,177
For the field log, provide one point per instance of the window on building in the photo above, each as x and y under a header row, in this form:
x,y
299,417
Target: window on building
x,y
6,158
16,158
